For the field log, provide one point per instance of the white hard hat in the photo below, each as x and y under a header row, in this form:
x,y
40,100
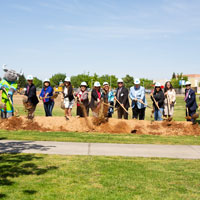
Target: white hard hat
x,y
84,84
46,80
97,84
67,79
105,83
120,80
137,81
157,84
29,78
188,83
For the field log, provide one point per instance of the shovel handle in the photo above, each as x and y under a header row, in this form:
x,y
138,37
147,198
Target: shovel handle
x,y
8,96
156,103
122,106
16,111
145,104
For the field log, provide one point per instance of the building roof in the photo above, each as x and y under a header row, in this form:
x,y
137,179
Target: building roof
x,y
192,75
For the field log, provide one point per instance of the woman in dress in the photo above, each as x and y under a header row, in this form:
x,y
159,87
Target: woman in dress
x,y
170,99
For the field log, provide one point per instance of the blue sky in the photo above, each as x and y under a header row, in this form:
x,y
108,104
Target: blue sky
x,y
143,38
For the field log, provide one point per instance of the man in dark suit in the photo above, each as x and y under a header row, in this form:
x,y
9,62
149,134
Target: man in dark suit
x,y
122,97
30,100
190,99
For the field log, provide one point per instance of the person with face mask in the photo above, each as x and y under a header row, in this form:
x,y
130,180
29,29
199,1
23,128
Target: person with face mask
x,y
82,101
30,97
46,96
190,100
157,96
137,95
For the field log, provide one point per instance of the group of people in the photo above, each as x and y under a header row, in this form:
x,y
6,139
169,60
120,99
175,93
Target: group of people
x,y
163,100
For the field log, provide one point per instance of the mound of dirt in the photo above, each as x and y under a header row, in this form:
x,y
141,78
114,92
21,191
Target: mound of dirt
x,y
18,123
112,126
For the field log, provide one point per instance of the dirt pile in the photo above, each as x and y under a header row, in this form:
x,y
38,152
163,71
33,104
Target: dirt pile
x,y
112,126
18,123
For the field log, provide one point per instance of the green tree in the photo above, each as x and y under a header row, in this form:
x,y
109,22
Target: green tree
x,y
37,82
175,81
76,80
128,81
22,81
148,84
173,75
56,78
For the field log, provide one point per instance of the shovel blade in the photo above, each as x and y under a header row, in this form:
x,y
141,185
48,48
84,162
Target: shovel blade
x,y
188,117
169,119
195,116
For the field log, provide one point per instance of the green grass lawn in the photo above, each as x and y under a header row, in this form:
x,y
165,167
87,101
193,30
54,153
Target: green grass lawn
x,y
99,137
179,113
52,177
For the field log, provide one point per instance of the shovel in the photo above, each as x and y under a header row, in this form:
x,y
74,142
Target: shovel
x,y
188,117
122,106
145,104
156,103
16,111
168,106
195,116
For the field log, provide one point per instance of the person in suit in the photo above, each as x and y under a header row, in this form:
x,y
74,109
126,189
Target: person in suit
x,y
190,100
30,98
137,95
122,97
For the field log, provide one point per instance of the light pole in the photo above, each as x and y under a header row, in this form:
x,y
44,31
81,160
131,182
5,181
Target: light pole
x,y
181,85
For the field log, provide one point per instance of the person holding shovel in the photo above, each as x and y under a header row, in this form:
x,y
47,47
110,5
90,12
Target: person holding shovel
x,y
122,101
170,100
191,104
46,96
108,99
30,99
8,85
95,99
82,101
68,97
157,96
139,102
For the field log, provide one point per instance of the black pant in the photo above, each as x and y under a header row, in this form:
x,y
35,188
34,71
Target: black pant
x,y
121,113
138,112
191,113
80,112
48,107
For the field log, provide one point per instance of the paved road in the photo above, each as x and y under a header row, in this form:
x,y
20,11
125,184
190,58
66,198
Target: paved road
x,y
103,149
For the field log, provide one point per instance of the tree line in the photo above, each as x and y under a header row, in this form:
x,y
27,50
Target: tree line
x,y
90,79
